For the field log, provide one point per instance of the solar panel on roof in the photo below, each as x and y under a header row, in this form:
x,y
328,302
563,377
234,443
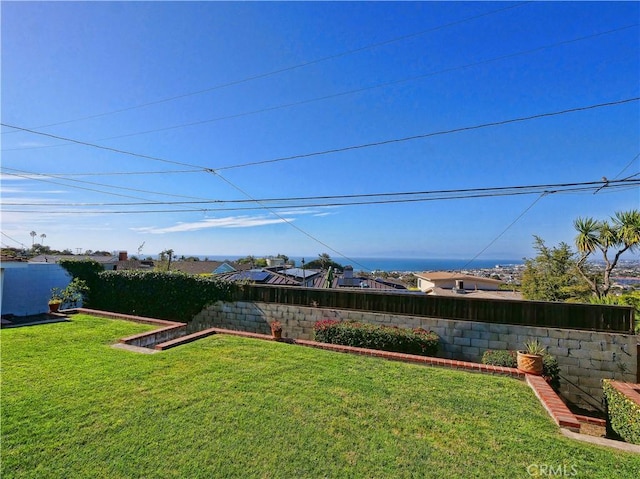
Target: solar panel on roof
x,y
251,275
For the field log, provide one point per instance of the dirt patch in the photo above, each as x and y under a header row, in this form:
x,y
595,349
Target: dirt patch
x,y
593,430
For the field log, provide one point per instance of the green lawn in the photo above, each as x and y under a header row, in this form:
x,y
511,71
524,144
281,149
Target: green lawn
x,y
224,406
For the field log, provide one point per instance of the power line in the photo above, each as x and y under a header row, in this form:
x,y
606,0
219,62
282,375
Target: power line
x,y
628,165
263,203
102,147
432,134
435,194
337,150
34,176
14,240
492,242
116,173
344,93
290,223
290,68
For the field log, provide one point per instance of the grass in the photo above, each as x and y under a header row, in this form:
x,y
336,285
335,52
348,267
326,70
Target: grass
x,y
72,406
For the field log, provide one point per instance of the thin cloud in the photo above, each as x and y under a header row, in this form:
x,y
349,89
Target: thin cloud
x,y
227,222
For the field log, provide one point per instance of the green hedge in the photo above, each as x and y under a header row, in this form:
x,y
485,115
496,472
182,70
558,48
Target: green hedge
x,y
623,414
158,294
386,338
507,358
86,270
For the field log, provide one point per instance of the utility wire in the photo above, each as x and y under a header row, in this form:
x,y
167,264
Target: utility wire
x,y
492,242
628,165
96,191
290,223
337,95
290,68
434,194
432,134
36,176
337,150
262,204
116,173
15,241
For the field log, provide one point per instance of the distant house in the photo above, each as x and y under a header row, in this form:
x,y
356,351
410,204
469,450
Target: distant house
x,y
312,278
429,281
208,267
108,262
280,276
445,283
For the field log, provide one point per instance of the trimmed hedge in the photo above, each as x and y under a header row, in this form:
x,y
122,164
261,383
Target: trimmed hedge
x,y
159,294
386,338
508,358
623,414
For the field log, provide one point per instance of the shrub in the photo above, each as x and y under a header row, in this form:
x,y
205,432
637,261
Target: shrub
x,y
623,414
387,338
507,358
159,294
500,357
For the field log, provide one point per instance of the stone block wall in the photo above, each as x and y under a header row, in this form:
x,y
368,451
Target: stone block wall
x,y
584,357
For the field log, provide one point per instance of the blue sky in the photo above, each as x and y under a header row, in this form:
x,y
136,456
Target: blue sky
x,y
219,87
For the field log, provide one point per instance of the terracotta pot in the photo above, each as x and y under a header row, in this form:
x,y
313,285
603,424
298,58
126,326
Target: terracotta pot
x,y
54,307
529,363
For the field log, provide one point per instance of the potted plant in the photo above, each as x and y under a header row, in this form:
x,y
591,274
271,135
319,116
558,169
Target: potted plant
x,y
276,329
530,360
69,296
55,300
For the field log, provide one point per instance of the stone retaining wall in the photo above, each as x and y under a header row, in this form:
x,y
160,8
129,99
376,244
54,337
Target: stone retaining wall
x,y
585,357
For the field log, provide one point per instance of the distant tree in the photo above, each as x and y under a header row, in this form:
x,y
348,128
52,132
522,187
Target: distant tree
x,y
284,258
166,257
33,237
43,236
324,259
253,261
323,262
552,275
247,259
618,236
40,249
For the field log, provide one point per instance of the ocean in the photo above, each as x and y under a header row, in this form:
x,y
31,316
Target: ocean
x,y
417,264
405,264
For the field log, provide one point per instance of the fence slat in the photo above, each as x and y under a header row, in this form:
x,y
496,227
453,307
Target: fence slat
x,y
525,313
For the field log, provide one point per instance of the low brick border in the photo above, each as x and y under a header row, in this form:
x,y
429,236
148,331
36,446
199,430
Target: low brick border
x,y
630,390
550,400
596,421
166,328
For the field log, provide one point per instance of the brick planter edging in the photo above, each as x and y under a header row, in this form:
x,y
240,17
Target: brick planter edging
x,y
126,317
628,390
558,411
171,329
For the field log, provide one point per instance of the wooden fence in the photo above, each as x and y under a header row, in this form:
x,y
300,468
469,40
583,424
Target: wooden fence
x,y
524,313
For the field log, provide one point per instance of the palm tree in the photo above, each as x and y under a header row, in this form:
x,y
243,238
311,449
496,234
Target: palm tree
x,y
621,234
43,236
324,259
33,237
